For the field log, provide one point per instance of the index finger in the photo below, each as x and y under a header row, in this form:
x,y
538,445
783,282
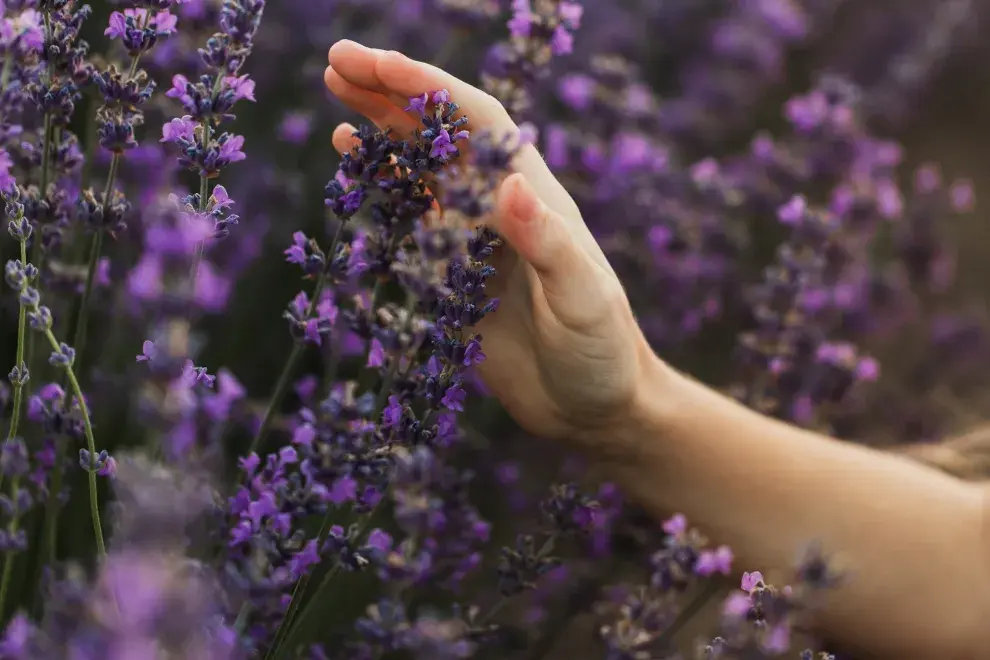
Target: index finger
x,y
393,74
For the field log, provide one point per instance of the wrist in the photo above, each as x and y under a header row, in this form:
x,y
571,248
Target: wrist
x,y
635,432
654,403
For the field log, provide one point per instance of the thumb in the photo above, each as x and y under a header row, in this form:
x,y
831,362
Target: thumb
x,y
542,238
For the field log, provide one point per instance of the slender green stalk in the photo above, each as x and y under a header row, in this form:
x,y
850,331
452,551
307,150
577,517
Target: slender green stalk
x,y
8,560
77,339
78,331
8,67
8,564
76,390
49,540
77,334
36,253
333,364
8,570
285,378
15,419
387,383
36,246
281,389
94,502
292,623
299,589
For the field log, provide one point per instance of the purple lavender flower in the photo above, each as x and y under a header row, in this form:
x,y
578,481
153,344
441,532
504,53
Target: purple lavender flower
x,y
139,29
537,36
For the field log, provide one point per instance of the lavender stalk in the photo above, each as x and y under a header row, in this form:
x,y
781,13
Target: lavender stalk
x,y
285,378
20,229
20,275
139,30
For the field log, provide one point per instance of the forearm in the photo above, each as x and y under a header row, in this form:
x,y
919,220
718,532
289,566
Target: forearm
x,y
910,538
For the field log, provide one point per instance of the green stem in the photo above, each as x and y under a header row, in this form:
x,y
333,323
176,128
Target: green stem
x,y
333,364
94,502
8,560
15,419
299,589
387,383
291,623
8,68
36,254
48,133
77,334
281,389
285,378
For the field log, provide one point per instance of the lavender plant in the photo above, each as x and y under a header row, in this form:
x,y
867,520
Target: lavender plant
x,y
329,494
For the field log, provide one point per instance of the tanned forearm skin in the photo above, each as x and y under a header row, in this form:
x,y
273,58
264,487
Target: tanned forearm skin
x,y
912,541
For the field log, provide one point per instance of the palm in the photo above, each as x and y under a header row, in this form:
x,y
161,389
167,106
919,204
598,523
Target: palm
x,y
512,369
553,379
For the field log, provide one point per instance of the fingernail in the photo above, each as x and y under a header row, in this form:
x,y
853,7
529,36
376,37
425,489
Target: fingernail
x,y
528,204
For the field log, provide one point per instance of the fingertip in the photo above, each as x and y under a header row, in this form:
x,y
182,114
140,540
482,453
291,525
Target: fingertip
x,y
343,48
518,207
519,199
343,138
335,82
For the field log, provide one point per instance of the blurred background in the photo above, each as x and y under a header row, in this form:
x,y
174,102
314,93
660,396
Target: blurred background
x,y
690,80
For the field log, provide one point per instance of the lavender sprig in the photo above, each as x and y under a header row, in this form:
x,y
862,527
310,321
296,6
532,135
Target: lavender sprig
x,y
210,100
19,229
139,29
298,349
539,31
21,275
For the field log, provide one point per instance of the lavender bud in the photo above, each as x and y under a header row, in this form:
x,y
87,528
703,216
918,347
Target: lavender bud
x,y
63,357
19,375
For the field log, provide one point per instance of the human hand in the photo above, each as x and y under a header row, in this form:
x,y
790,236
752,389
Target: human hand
x,y
565,355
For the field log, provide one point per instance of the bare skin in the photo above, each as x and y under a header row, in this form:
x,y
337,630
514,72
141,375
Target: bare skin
x,y
568,361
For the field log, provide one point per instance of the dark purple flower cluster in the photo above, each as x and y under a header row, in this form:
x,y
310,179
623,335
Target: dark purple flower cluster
x,y
359,447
